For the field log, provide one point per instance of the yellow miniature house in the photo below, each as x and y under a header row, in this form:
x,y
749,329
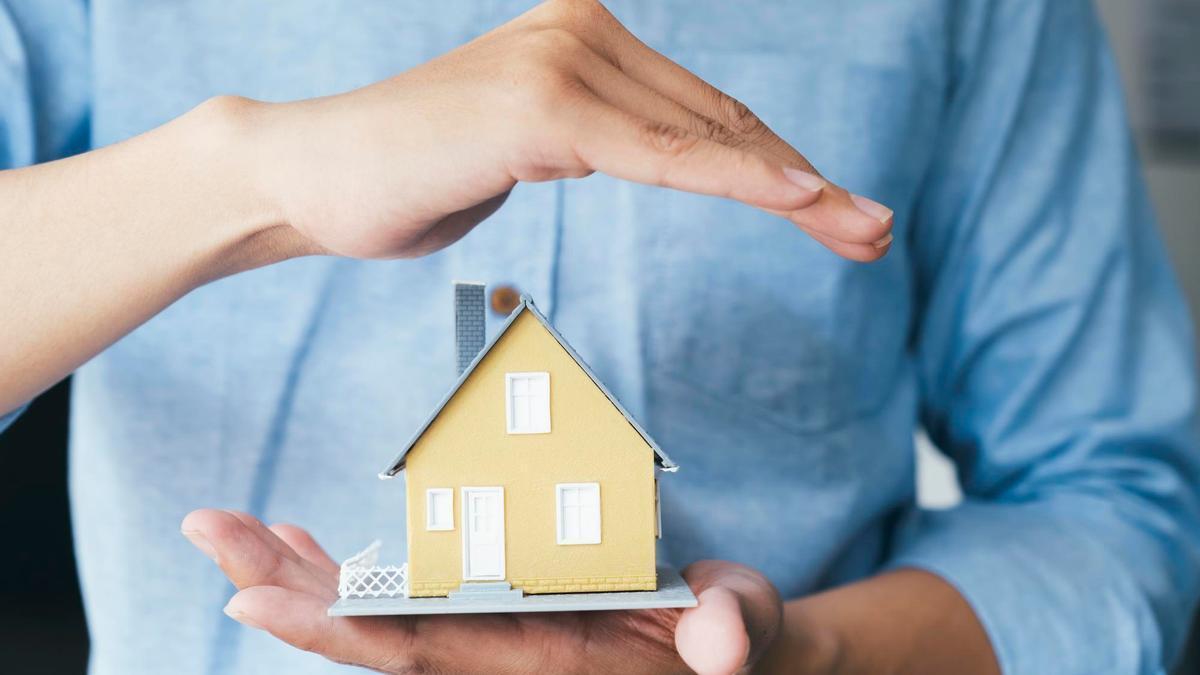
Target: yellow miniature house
x,y
529,475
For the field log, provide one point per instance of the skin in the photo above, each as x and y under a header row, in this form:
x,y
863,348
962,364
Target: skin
x,y
906,621
97,244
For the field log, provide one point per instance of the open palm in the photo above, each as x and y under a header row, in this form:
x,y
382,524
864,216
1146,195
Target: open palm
x,y
286,583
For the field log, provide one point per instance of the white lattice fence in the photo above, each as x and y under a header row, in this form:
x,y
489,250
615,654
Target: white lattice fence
x,y
360,577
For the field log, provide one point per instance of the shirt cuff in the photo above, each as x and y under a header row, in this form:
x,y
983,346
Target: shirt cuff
x,y
1051,598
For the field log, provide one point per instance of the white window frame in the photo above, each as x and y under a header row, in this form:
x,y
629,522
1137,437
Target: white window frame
x,y
540,379
430,524
558,510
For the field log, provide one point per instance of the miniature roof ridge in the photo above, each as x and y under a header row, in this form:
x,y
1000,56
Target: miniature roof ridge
x,y
661,459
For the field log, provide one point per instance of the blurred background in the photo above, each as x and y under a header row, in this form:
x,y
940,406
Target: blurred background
x,y
42,629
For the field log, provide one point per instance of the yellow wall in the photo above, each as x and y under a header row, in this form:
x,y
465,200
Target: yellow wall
x,y
589,441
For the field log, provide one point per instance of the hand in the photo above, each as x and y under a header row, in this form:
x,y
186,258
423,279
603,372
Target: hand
x,y
286,583
400,168
407,166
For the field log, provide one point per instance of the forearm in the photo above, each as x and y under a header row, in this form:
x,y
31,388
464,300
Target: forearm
x,y
906,621
94,245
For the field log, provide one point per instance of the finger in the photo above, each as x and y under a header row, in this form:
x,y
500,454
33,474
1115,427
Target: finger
x,y
268,538
839,216
302,543
737,619
300,619
621,91
711,638
855,252
247,559
271,539
642,63
604,35
633,148
847,218
472,643
839,224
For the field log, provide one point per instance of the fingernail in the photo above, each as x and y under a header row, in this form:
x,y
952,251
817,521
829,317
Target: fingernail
x,y
887,239
872,208
241,617
806,180
201,543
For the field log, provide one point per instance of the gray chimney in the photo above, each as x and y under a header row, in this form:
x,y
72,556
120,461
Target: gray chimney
x,y
468,322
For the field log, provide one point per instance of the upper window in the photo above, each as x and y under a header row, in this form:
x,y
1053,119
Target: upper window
x,y
578,513
527,403
439,509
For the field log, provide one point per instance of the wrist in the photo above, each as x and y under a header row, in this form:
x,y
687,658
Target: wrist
x,y
247,229
806,644
828,648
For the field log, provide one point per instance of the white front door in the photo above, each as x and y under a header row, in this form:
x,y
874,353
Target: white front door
x,y
483,533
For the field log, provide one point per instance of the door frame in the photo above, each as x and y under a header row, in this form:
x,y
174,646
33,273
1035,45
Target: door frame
x,y
466,533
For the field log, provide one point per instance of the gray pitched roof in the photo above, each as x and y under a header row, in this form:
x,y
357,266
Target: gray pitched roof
x,y
660,458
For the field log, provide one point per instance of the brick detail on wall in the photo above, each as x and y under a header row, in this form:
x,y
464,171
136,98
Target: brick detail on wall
x,y
431,589
586,584
434,589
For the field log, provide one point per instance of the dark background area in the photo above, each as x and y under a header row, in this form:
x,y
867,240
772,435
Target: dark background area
x,y
42,629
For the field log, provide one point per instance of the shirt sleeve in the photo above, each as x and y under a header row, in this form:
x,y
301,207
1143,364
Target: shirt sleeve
x,y
1054,355
44,87
44,81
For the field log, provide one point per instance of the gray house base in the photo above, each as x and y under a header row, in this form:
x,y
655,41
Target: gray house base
x,y
672,592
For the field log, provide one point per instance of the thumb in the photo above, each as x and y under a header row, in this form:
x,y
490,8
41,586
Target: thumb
x,y
737,617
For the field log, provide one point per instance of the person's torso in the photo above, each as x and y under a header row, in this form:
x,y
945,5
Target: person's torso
x,y
773,372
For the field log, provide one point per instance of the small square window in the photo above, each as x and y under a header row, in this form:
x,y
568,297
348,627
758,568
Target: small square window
x,y
439,509
527,403
578,506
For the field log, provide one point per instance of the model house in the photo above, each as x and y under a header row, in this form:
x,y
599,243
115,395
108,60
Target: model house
x,y
529,475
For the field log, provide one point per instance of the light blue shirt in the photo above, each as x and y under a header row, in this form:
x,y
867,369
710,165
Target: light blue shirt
x,y
1026,317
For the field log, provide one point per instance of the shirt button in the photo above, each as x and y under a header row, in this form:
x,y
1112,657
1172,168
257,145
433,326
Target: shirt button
x,y
505,299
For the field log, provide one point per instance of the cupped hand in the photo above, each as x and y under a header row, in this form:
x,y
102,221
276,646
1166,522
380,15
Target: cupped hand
x,y
286,583
408,165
